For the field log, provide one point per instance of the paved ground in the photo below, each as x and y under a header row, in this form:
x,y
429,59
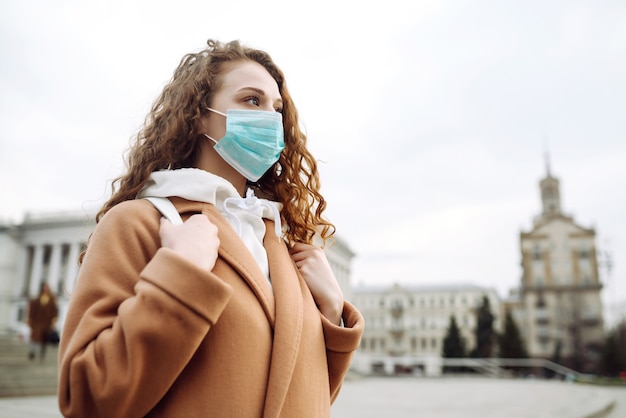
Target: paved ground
x,y
619,394
440,398
474,398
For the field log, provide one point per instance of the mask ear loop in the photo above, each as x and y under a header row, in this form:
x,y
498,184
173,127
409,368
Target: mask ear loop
x,y
219,113
214,141
216,111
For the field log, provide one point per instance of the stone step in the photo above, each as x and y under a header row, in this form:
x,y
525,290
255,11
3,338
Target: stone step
x,y
28,381
20,376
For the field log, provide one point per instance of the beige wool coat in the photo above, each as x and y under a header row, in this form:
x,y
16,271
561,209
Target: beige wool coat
x,y
148,333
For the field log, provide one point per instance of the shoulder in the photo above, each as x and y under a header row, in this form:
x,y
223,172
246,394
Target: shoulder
x,y
130,214
129,221
127,233
137,208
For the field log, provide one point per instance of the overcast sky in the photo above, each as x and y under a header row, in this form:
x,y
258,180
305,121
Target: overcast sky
x,y
431,119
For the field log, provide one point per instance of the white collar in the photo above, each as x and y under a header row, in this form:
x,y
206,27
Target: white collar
x,y
202,186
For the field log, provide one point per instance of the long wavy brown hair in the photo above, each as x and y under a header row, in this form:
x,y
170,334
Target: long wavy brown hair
x,y
170,139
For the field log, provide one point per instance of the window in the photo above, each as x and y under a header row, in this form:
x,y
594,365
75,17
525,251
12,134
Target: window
x,y
536,254
541,303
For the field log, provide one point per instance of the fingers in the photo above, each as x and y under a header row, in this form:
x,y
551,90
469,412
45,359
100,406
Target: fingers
x,y
301,251
301,246
313,265
196,239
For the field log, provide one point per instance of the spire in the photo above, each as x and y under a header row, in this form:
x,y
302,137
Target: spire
x,y
550,194
546,156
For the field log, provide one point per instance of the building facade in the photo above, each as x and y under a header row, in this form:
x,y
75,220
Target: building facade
x,y
45,248
560,286
340,257
406,324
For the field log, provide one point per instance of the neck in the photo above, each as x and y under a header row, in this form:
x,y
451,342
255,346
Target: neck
x,y
209,160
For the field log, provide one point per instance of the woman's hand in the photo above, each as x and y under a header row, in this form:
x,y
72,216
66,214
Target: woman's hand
x,y
196,240
314,267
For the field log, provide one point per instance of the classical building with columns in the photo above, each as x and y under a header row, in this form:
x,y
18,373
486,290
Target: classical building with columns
x,y
45,248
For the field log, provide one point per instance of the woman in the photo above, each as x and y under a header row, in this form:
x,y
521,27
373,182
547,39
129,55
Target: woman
x,y
224,307
42,315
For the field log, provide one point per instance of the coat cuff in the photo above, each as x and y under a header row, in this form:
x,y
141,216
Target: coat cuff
x,y
346,338
200,290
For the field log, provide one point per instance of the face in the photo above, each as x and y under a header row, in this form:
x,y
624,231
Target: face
x,y
244,85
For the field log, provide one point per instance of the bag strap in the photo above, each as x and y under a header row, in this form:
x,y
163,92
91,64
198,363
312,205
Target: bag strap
x,y
167,209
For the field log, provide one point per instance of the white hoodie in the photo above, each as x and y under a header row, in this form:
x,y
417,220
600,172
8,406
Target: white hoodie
x,y
244,214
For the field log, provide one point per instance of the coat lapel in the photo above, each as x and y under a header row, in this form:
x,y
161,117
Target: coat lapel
x,y
234,252
288,325
283,307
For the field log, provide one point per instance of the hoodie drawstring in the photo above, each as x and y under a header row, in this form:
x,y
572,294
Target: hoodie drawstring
x,y
250,204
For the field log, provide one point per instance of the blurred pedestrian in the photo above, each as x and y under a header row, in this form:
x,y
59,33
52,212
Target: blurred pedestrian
x,y
42,316
201,291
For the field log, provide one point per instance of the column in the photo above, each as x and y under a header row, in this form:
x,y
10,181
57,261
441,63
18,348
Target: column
x,y
20,272
389,366
72,267
433,366
35,273
53,269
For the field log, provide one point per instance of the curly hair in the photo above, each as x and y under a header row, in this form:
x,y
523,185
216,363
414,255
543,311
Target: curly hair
x,y
170,139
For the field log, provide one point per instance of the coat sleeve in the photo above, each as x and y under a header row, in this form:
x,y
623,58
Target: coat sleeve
x,y
341,343
135,318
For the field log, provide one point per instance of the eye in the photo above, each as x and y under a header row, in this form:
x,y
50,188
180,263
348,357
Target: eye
x,y
253,100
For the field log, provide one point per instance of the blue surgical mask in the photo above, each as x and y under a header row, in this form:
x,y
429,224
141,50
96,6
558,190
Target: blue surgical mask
x,y
253,141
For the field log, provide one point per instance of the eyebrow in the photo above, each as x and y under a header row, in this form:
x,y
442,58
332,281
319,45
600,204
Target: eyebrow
x,y
261,93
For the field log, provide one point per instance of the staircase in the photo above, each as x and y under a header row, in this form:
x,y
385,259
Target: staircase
x,y
20,376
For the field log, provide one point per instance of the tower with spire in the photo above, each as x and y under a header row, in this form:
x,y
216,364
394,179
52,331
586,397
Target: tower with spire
x,y
560,286
550,195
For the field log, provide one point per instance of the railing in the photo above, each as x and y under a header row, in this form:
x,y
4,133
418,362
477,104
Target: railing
x,y
493,366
